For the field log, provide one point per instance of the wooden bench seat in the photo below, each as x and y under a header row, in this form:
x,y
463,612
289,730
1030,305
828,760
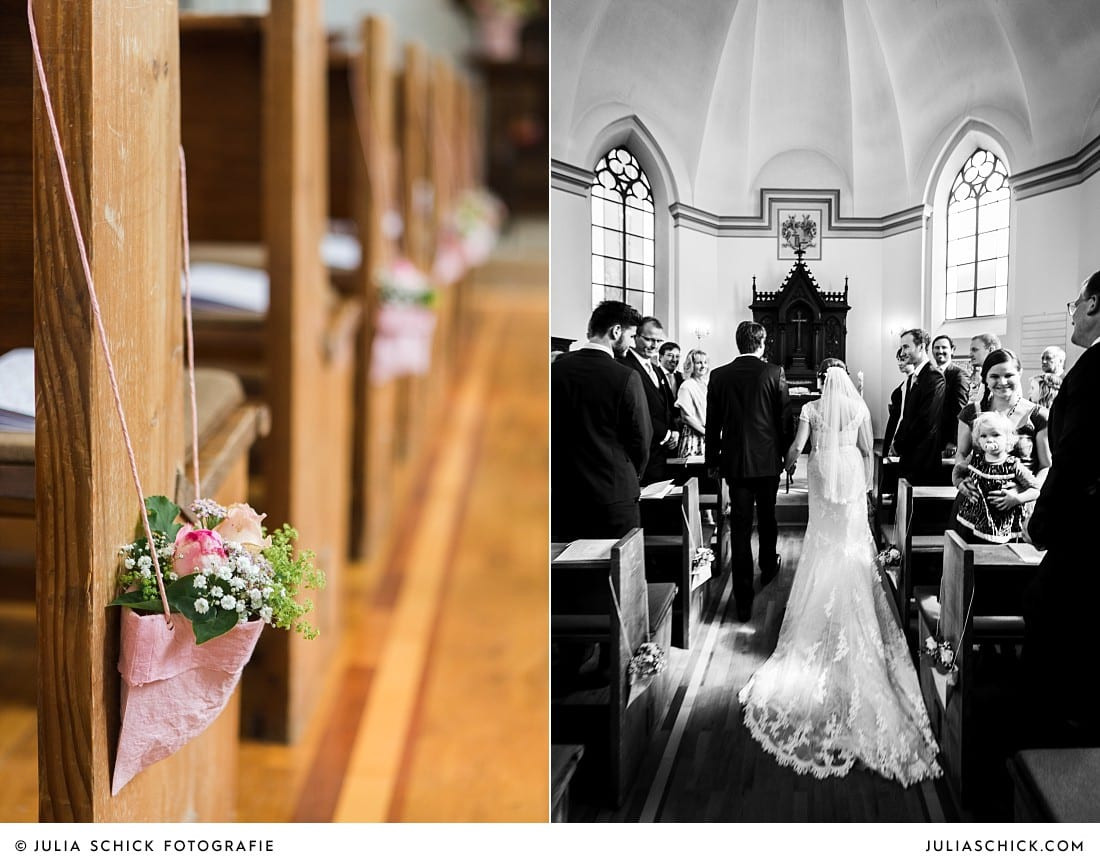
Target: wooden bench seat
x,y
673,532
1056,785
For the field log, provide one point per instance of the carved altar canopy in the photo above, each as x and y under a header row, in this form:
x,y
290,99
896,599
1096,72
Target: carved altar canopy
x,y
805,324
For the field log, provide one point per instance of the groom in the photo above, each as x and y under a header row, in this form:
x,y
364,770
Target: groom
x,y
747,438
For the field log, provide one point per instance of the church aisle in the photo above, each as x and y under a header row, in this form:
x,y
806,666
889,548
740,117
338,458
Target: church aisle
x,y
703,765
437,708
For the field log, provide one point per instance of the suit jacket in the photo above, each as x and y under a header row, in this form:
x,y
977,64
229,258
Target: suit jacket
x,y
956,395
748,419
917,439
893,412
660,402
1068,509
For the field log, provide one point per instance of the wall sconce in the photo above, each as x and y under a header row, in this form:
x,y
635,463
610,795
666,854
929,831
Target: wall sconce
x,y
701,331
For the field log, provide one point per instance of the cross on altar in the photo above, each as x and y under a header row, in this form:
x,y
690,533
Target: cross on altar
x,y
798,320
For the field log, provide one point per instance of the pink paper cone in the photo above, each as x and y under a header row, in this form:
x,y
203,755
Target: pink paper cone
x,y
172,688
402,342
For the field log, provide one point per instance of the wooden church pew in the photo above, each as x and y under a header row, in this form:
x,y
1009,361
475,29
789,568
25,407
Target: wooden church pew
x,y
84,504
253,128
613,729
923,514
363,165
674,530
980,602
1056,785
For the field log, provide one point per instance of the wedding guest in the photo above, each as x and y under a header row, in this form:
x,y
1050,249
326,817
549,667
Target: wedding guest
x,y
691,399
1053,360
917,438
993,469
599,432
659,398
896,398
980,346
1060,604
1001,374
956,392
1043,388
668,360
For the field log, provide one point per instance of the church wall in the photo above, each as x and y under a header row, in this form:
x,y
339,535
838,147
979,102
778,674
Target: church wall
x,y
570,270
1044,270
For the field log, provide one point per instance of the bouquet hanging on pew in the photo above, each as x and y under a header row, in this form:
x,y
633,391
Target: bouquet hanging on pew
x,y
477,219
888,557
701,562
402,342
221,571
940,653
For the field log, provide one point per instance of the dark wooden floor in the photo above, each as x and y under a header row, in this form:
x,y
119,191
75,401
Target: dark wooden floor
x,y
704,766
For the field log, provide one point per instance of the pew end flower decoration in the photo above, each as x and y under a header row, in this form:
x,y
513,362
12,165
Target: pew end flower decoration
x,y
648,661
702,562
889,556
940,653
222,571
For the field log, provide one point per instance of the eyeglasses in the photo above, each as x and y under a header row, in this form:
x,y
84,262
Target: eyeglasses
x,y
1072,305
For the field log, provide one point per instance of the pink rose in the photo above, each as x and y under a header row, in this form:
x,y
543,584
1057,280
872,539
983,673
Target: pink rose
x,y
197,550
242,524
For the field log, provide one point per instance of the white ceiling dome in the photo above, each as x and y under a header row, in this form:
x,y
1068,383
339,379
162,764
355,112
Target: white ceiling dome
x,y
859,95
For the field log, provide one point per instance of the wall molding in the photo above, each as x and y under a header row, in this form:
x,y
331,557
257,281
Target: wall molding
x,y
771,200
1057,175
569,178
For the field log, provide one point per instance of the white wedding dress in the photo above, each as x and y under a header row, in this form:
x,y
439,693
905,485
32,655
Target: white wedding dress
x,y
840,688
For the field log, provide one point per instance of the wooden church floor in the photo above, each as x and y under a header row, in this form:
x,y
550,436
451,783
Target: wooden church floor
x,y
436,709
703,765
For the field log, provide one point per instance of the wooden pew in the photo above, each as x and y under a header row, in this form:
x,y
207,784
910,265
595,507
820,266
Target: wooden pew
x,y
84,503
886,492
980,602
564,759
1056,785
673,531
923,514
253,127
614,730
363,163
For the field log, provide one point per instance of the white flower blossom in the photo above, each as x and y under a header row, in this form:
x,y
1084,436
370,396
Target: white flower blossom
x,y
200,581
267,591
216,592
201,605
129,563
237,583
265,614
256,597
229,603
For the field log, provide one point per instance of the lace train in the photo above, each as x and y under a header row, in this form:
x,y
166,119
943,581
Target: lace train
x,y
840,687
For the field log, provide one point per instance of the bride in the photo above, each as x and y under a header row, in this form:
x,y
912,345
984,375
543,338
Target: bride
x,y
840,687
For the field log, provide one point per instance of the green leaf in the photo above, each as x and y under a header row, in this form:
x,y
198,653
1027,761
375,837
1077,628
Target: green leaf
x,y
162,516
136,600
220,623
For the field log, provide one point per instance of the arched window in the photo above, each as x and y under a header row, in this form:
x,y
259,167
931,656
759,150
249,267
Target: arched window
x,y
622,232
977,239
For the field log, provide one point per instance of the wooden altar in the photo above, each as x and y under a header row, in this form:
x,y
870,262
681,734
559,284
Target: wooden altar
x,y
805,324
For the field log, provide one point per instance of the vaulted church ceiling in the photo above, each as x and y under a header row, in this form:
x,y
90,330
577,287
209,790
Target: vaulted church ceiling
x,y
859,95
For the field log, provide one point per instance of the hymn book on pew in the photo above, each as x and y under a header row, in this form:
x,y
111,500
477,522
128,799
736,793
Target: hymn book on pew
x,y
17,390
586,549
657,490
1027,552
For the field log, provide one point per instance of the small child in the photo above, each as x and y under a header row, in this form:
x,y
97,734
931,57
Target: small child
x,y
993,468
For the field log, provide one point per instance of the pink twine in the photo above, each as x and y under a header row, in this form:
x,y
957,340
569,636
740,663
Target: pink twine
x,y
40,70
190,327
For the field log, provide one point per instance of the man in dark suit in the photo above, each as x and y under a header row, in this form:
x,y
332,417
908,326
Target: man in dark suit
x,y
668,358
917,439
747,437
956,391
893,412
599,432
1061,650
659,398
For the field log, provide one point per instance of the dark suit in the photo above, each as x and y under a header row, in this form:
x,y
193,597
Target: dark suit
x,y
659,399
917,439
747,438
1060,606
599,443
893,412
956,394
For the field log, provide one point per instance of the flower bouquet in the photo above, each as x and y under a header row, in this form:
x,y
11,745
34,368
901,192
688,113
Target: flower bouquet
x,y
403,329
477,218
941,655
889,556
701,563
223,580
647,662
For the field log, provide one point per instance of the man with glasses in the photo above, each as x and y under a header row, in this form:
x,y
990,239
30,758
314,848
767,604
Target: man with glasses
x,y
1061,602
